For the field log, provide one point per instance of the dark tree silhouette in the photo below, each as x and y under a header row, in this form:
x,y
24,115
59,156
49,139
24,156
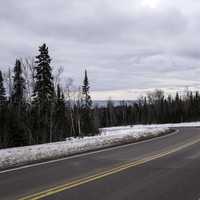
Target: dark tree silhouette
x,y
87,117
43,97
2,90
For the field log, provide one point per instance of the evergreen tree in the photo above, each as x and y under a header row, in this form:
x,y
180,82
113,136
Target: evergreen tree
x,y
60,119
43,97
87,102
2,90
87,119
18,85
17,110
44,89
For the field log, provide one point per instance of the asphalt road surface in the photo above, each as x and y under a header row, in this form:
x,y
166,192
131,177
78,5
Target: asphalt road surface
x,y
165,168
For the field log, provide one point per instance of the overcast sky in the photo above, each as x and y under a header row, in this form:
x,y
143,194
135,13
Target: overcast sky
x,y
124,44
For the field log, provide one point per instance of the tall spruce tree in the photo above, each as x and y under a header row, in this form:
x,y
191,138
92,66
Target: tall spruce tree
x,y
43,96
2,90
44,88
17,110
87,102
87,119
18,86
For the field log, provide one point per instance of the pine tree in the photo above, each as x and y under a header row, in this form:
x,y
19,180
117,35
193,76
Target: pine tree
x,y
87,119
60,120
2,90
18,85
44,89
87,102
43,97
17,110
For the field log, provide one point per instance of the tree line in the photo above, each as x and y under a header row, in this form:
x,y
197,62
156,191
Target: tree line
x,y
154,108
36,108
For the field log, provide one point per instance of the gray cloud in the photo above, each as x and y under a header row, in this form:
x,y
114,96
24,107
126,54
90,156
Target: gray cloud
x,y
123,44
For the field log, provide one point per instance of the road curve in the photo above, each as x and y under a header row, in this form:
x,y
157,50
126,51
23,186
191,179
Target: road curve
x,y
166,168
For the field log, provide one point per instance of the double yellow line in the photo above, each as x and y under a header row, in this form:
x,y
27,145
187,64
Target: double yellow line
x,y
103,174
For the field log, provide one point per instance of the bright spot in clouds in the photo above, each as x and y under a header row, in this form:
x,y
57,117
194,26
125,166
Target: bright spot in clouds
x,y
150,3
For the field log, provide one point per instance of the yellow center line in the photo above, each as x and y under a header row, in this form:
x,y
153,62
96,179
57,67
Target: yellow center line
x,y
103,174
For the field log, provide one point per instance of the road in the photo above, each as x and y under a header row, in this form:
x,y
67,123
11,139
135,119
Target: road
x,y
166,168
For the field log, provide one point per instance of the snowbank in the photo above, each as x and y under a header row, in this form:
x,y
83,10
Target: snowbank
x,y
174,125
108,137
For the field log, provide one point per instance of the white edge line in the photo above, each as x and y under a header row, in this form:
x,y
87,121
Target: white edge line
x,y
88,153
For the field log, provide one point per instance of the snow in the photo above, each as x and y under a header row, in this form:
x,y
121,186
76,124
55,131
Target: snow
x,y
174,125
108,137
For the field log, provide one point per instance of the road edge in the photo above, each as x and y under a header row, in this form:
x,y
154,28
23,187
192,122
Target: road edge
x,y
108,147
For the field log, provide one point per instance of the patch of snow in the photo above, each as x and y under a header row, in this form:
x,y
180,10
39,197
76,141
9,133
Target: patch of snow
x,y
141,126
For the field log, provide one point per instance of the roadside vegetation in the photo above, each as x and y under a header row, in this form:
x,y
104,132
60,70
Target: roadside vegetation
x,y
36,107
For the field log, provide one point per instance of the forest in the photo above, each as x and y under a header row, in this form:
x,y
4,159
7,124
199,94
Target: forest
x,y
37,107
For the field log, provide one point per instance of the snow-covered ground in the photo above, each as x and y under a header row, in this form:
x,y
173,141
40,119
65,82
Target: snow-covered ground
x,y
175,125
108,137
